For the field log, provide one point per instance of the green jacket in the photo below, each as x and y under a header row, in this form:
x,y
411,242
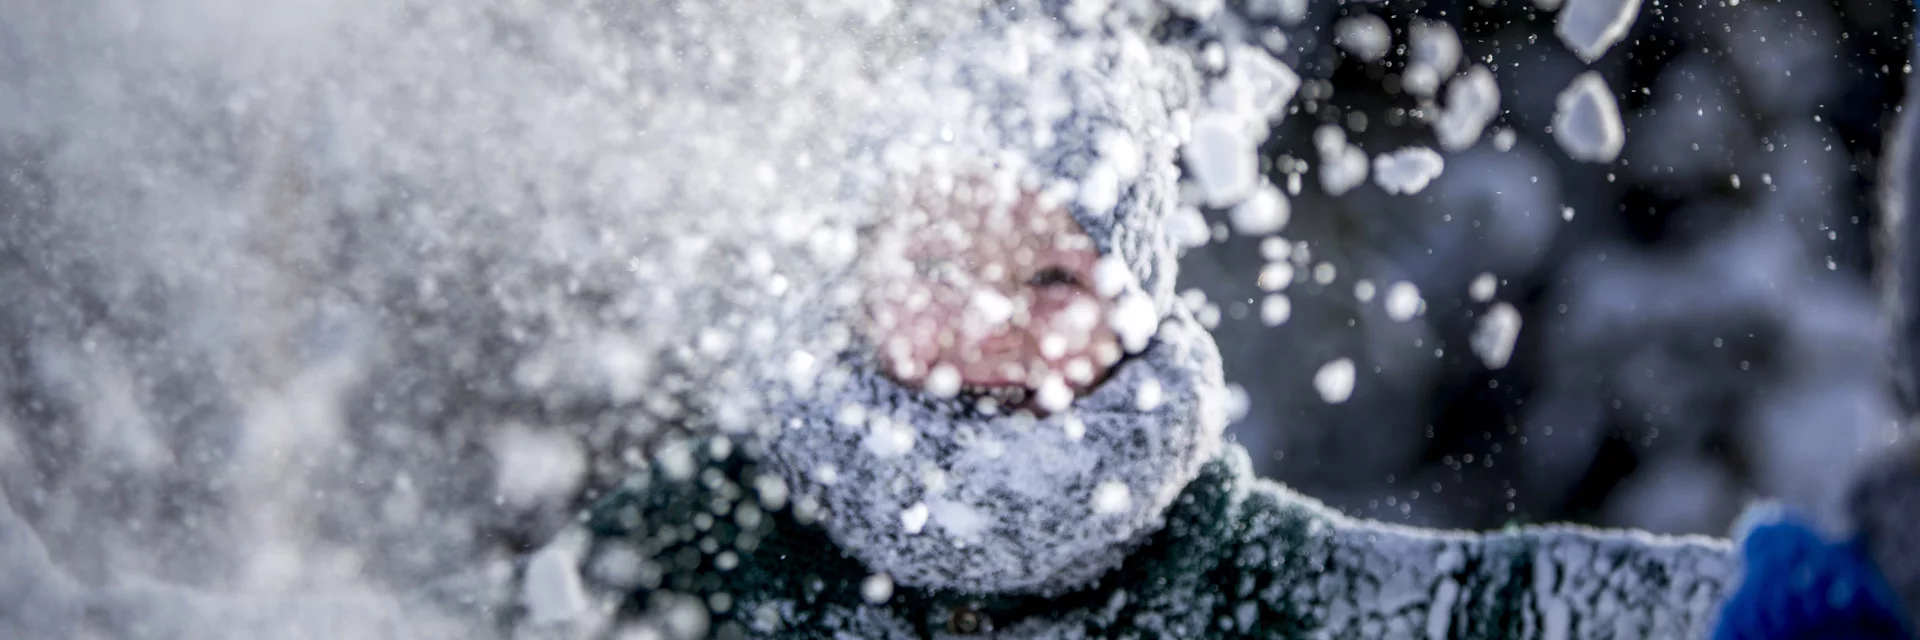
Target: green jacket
x,y
1239,557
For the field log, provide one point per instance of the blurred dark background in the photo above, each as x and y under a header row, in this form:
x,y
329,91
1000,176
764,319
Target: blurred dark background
x,y
1699,328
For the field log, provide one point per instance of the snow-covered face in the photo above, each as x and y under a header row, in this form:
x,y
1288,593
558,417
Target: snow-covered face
x,y
979,293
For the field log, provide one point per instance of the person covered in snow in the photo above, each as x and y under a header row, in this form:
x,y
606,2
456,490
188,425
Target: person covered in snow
x,y
1015,431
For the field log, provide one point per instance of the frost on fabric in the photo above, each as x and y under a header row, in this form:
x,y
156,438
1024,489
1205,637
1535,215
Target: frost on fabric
x,y
1590,27
1407,171
1473,100
1586,120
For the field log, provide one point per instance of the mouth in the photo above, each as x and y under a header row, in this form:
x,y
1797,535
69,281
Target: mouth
x,y
999,397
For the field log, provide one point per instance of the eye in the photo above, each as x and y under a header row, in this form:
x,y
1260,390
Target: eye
x,y
1053,276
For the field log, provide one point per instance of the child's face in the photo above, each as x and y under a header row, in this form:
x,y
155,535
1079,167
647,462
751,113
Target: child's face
x,y
989,293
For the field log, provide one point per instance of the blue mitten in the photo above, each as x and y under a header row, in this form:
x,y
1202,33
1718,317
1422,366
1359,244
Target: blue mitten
x,y
1799,585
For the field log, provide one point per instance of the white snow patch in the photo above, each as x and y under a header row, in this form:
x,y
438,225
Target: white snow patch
x,y
1073,427
1586,120
1590,27
1100,189
1334,381
1111,497
1403,301
1054,395
1407,171
1149,395
1365,36
1342,166
1111,276
1222,159
1473,99
961,521
1264,213
914,519
535,467
1494,336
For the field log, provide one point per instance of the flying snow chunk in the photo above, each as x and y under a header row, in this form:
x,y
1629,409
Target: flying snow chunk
x,y
1222,159
1342,166
1111,497
1494,336
1435,51
1586,120
914,519
1334,381
1275,310
1589,27
1473,99
1134,322
1273,84
1406,171
1483,287
1364,36
1054,396
1264,213
1288,12
877,588
551,589
943,381
1403,301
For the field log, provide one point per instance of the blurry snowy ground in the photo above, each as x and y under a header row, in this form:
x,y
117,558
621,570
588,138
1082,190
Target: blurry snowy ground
x,y
285,284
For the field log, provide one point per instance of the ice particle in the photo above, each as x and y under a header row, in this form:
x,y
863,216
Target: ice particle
x,y
1407,170
1586,120
914,519
1589,27
1334,381
1365,36
1264,213
1222,159
1403,301
1111,497
877,589
1495,334
1473,99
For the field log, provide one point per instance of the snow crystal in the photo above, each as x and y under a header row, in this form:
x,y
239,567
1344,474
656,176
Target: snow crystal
x,y
1472,102
1342,166
1275,309
551,589
1222,159
1289,12
1403,301
1111,497
1589,27
1483,287
914,519
1494,335
1435,52
877,589
1407,170
1586,120
1264,213
1365,36
1334,381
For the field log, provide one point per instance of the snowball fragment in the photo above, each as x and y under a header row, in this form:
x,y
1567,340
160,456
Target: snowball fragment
x,y
1483,287
1407,170
1473,99
1288,12
1590,27
1435,51
877,589
1276,276
1264,213
1365,36
1495,334
1111,276
1111,497
1334,381
1586,120
551,589
1054,395
1149,395
1272,84
1099,189
1403,301
1134,322
914,519
943,381
1342,166
1275,309
1222,159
